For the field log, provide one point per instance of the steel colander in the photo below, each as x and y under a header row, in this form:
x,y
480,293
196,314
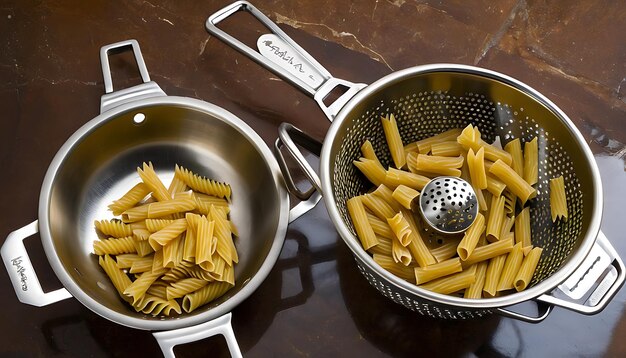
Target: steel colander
x,y
426,100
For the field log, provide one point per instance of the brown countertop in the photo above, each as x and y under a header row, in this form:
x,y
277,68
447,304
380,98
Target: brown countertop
x,y
314,302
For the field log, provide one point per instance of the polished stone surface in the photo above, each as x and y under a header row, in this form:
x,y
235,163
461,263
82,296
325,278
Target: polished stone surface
x,y
315,302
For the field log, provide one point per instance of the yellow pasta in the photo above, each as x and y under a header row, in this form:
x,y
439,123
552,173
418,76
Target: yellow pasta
x,y
130,199
400,253
476,165
496,219
434,271
379,226
471,236
522,228
394,178
531,162
480,197
514,182
447,149
486,252
558,201
404,195
202,184
424,146
439,165
373,171
509,202
368,151
384,246
511,268
113,228
378,206
394,142
152,181
418,248
364,230
453,283
400,227
492,276
514,148
445,251
386,262
114,246
495,186
470,138
475,290
526,271
204,237
157,243
387,195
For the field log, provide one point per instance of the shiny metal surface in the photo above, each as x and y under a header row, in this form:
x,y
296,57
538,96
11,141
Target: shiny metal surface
x,y
427,100
448,205
98,164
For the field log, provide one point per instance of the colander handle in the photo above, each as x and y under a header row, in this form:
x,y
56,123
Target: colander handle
x,y
113,98
594,282
278,53
21,270
222,325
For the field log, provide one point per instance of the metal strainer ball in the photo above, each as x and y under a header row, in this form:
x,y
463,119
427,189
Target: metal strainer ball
x,y
448,205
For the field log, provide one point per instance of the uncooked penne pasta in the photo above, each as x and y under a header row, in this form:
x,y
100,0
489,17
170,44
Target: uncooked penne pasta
x,y
558,201
516,184
514,148
142,264
173,251
154,225
113,228
150,178
225,246
507,225
509,202
447,149
204,295
202,184
424,146
378,206
158,239
495,219
400,253
480,197
475,290
401,229
476,165
492,276
118,277
522,228
373,171
184,286
379,226
440,269
394,142
531,162
495,186
138,288
204,237
368,151
405,195
126,260
445,251
386,262
114,246
394,178
453,283
176,186
488,251
129,199
439,165
387,195
471,236
470,137
143,247
511,268
526,271
383,247
418,248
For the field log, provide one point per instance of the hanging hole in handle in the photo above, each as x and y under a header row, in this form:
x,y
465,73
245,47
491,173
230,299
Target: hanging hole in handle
x,y
139,118
338,91
215,344
297,176
124,68
47,279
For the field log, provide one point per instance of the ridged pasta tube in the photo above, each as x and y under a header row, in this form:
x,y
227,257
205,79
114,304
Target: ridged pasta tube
x,y
113,228
202,184
114,246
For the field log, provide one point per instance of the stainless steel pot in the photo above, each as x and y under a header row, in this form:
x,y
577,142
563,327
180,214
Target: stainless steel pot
x,y
579,268
97,165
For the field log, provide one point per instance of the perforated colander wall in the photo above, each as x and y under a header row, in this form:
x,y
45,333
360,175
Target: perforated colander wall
x,y
427,113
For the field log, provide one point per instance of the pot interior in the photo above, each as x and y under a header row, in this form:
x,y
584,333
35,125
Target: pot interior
x,y
427,101
101,166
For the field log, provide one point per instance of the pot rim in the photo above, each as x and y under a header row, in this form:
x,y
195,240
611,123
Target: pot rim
x,y
175,322
542,287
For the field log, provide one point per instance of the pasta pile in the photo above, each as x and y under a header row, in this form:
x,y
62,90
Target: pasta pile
x,y
495,255
173,247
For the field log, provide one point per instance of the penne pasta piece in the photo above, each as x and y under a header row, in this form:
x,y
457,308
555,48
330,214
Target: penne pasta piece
x,y
160,238
126,260
495,219
395,177
130,199
204,295
368,151
394,142
476,165
511,268
184,286
152,181
387,195
488,251
471,236
114,246
475,290
447,149
202,184
116,275
514,182
172,251
509,202
384,246
112,228
386,262
378,206
373,171
379,226
142,264
531,162
470,138
401,229
177,186
434,271
514,148
480,197
495,186
204,237
417,247
492,276
558,201
404,195
154,225
526,271
400,253
143,247
138,288
155,306
452,283
439,165
507,225
424,145
445,251
225,246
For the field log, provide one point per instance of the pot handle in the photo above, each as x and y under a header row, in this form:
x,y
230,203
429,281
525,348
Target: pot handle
x,y
280,54
113,98
589,289
21,270
221,325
